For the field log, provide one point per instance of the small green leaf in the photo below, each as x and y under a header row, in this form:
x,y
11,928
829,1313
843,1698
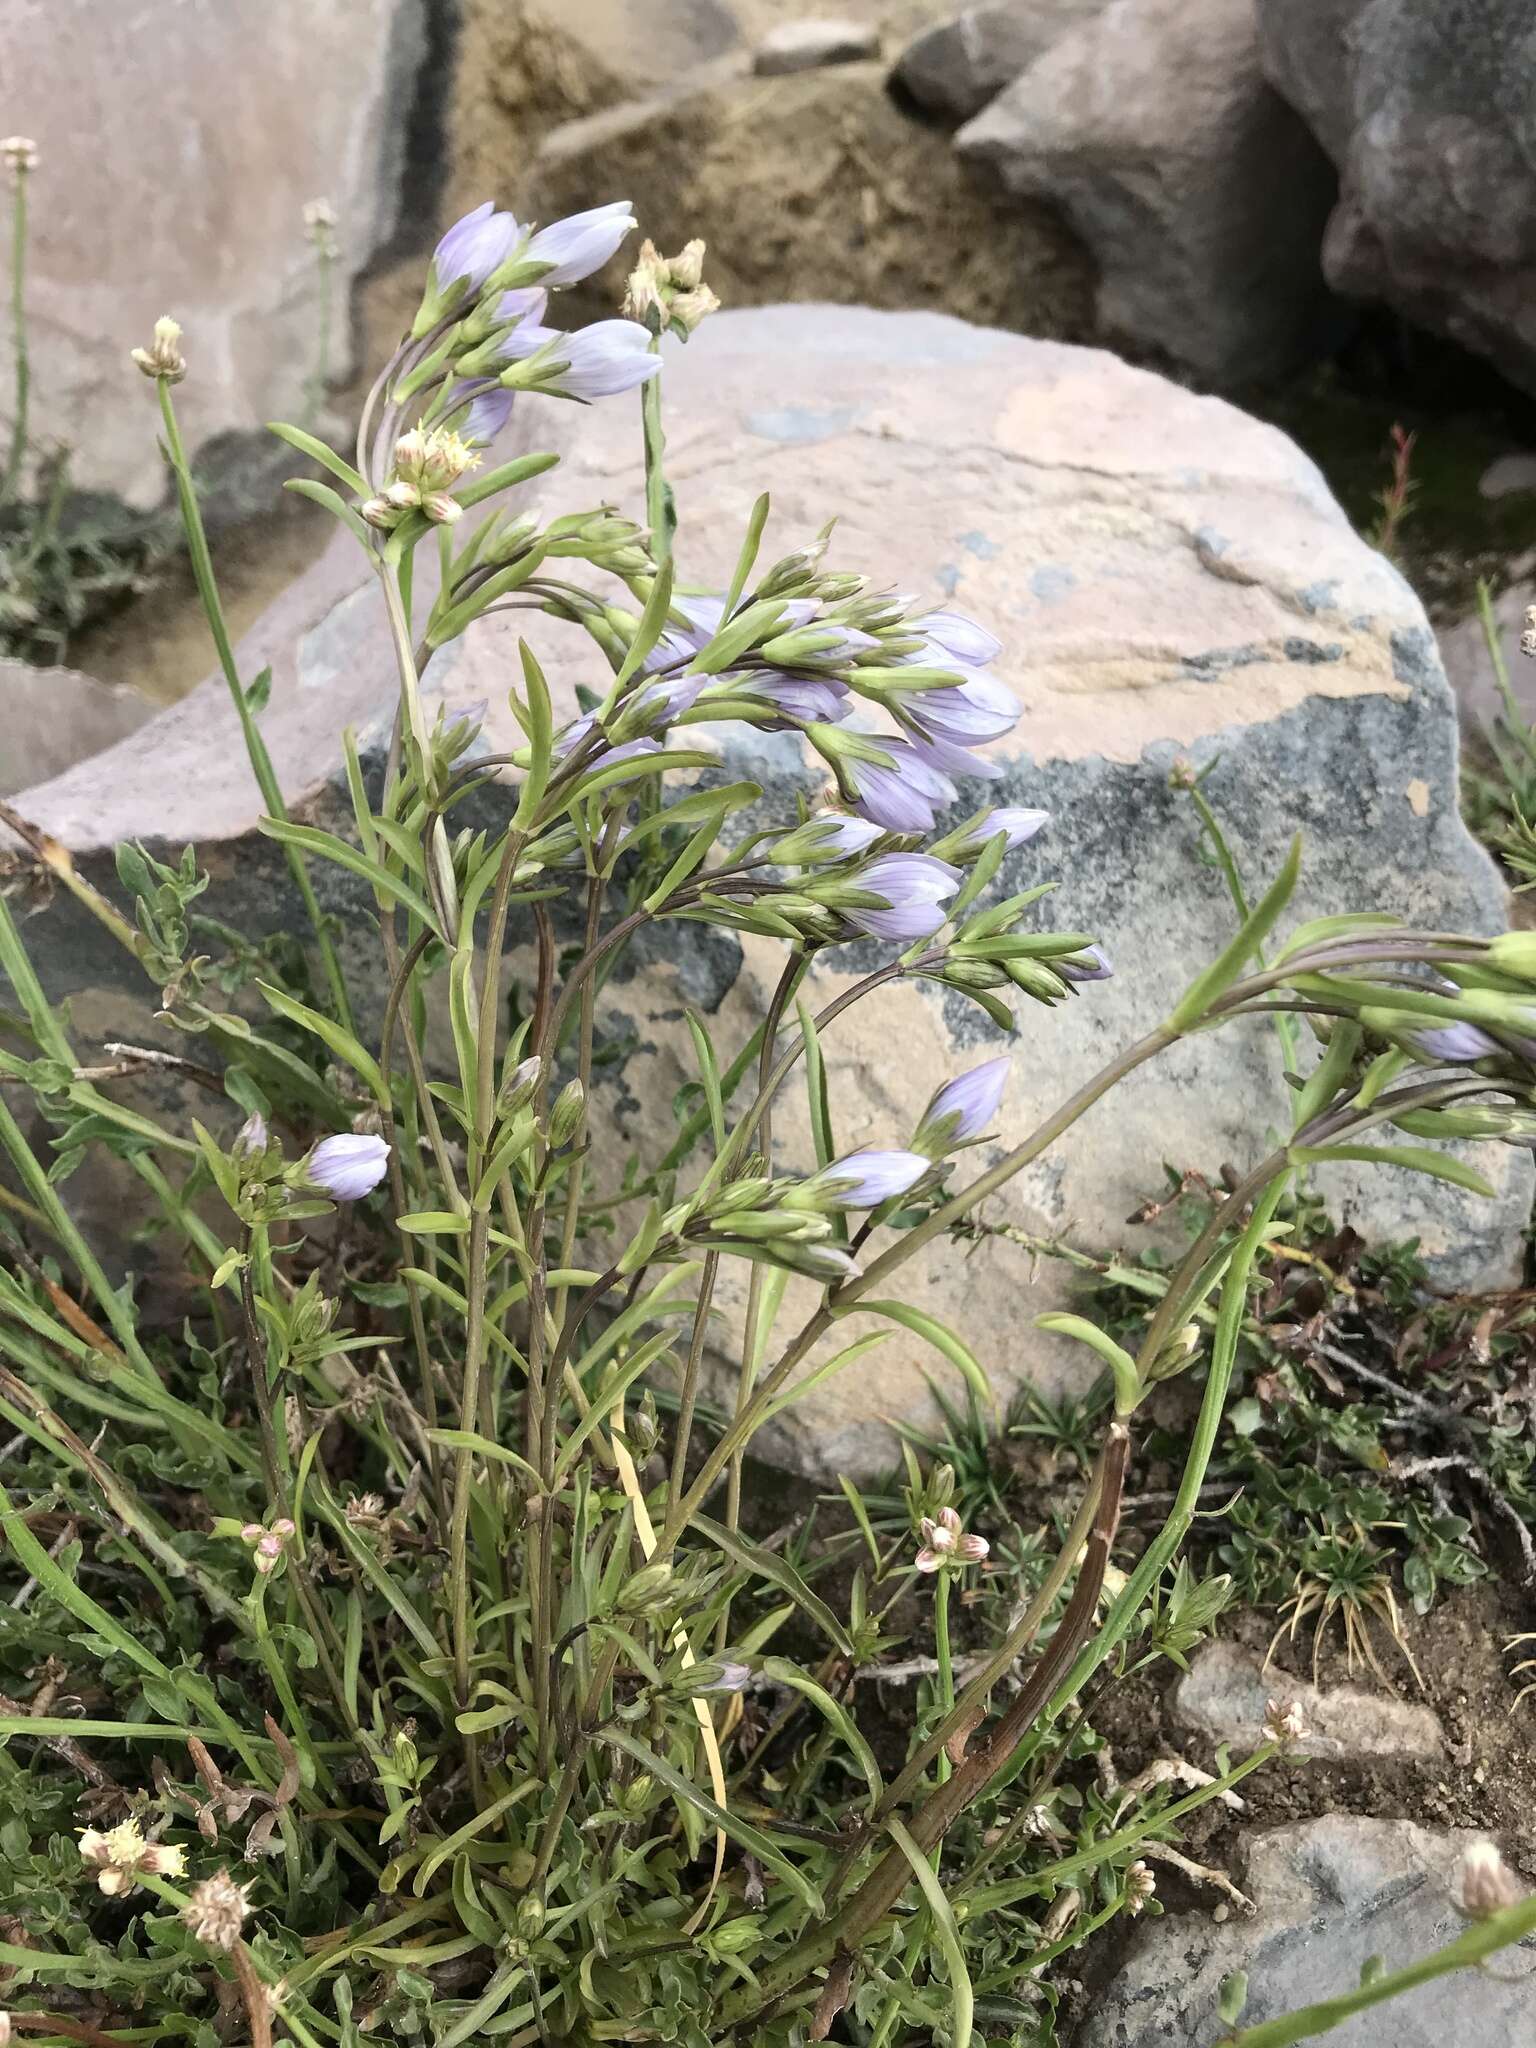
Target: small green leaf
x,y
1229,964
1417,1158
1128,1387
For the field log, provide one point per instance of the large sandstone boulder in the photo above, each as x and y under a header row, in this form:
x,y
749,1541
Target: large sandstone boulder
x,y
1428,113
1170,578
50,718
1331,1895
178,148
1200,193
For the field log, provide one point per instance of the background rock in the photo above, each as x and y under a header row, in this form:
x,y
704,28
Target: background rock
x,y
1199,192
1224,1693
1331,1894
1428,113
50,718
806,45
1468,663
177,153
1168,577
952,70
813,186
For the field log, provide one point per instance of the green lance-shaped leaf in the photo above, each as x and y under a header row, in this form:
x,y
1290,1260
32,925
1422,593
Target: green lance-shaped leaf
x,y
947,1934
1230,962
786,1673
341,1042
940,1336
766,1564
317,451
1417,1158
1128,1388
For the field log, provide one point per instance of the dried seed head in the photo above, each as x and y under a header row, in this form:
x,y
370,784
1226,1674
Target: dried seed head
x,y
6,2034
1284,1723
1484,1884
216,1909
320,225
20,155
1140,1885
164,359
1528,637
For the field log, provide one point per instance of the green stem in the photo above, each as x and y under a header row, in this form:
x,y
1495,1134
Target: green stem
x,y
946,1682
1474,1946
18,448
659,509
255,746
1285,1027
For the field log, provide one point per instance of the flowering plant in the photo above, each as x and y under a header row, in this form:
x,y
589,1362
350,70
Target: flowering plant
x,y
427,1535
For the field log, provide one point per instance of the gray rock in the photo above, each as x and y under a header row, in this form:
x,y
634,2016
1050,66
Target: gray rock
x,y
1331,1895
1226,1689
177,152
1169,577
1508,475
50,718
952,70
808,45
1427,112
1470,665
1200,193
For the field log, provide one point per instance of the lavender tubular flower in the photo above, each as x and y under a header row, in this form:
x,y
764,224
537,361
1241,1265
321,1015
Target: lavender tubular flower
x,y
861,1180
888,780
945,758
789,701
573,248
473,247
962,1109
488,414
912,889
594,362
969,714
348,1166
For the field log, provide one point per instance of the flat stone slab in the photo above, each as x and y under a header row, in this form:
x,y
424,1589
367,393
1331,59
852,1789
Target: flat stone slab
x,y
1226,1688
1170,579
50,718
1331,1895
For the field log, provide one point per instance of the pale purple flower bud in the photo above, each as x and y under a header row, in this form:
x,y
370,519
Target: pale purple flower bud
x,y
862,1180
728,1678
1092,964
902,797
348,1166
913,888
946,1543
473,247
251,1138
960,638
824,838
582,243
1459,1044
598,361
962,1109
652,709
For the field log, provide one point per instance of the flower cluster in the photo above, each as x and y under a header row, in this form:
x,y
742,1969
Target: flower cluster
x,y
946,1545
269,1544
122,1855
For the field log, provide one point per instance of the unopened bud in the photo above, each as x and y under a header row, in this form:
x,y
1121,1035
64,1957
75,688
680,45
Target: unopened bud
x,y
163,359
521,1085
635,1797
1514,953
650,1587
530,1916
567,1116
